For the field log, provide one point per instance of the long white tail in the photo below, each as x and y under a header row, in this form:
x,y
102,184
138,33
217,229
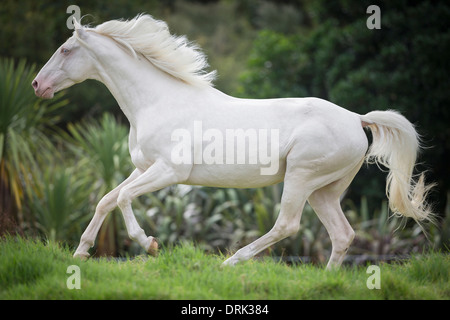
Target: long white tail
x,y
395,146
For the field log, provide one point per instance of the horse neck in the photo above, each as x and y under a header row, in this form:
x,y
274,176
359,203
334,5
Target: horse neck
x,y
136,84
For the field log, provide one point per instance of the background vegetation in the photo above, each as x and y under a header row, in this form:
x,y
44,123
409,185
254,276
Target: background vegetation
x,y
59,157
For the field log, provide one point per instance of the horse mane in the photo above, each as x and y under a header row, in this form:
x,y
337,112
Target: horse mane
x,y
151,38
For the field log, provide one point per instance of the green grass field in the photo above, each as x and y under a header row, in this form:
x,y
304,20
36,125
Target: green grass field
x,y
33,270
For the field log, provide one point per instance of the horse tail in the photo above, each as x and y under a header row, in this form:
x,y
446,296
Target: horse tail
x,y
395,145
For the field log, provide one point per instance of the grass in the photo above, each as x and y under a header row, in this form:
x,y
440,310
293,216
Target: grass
x,y
30,269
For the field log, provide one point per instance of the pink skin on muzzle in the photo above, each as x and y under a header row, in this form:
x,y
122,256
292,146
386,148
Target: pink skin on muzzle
x,y
42,89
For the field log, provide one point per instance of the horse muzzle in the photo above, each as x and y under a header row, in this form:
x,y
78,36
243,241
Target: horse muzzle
x,y
42,90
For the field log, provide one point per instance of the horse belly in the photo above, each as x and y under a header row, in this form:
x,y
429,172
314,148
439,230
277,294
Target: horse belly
x,y
234,176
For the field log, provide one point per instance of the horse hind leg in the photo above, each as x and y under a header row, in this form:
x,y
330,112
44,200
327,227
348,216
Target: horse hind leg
x,y
326,203
287,224
329,211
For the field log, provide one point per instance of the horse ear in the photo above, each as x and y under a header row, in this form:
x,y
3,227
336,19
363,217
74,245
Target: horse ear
x,y
79,29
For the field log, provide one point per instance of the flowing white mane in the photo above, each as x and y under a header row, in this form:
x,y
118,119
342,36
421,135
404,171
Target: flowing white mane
x,y
151,38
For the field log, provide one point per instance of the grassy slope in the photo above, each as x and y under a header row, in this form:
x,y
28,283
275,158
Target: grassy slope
x,y
32,270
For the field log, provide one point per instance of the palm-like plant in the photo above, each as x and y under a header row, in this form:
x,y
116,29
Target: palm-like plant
x,y
24,121
104,145
60,206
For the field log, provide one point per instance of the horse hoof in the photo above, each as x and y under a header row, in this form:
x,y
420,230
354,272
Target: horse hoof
x,y
153,247
81,256
229,263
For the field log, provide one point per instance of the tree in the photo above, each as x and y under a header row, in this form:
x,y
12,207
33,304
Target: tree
x,y
401,66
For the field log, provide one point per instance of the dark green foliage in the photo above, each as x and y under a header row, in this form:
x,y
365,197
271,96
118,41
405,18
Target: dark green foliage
x,y
25,123
402,66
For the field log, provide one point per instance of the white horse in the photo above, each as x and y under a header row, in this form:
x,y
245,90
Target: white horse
x,y
160,84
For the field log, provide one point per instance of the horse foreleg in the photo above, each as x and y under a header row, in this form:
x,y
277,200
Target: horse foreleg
x,y
107,204
156,177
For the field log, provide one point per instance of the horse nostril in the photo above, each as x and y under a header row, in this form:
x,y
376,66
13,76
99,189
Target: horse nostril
x,y
34,84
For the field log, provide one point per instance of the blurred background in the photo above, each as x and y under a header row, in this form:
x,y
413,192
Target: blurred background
x,y
59,157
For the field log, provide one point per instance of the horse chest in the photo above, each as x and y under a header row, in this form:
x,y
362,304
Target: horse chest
x,y
139,160
138,157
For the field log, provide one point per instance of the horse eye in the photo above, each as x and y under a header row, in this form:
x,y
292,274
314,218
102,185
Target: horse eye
x,y
65,50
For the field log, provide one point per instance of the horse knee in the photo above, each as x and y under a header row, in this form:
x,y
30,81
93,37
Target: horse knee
x,y
105,205
286,229
124,199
